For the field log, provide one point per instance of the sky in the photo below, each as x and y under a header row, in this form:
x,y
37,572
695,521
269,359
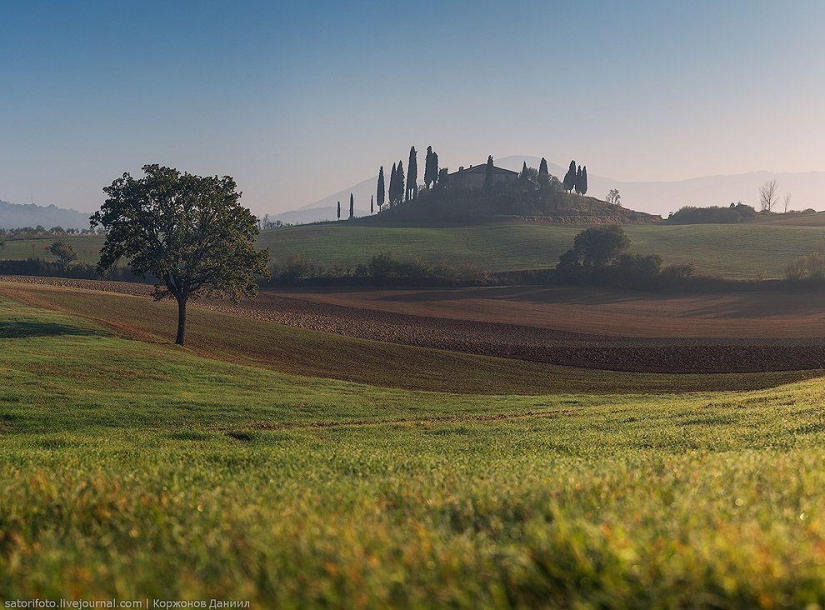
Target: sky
x,y
297,100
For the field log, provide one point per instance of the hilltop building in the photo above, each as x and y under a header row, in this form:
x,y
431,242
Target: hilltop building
x,y
473,176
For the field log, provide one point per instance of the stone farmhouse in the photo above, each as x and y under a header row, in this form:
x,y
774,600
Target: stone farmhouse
x,y
473,176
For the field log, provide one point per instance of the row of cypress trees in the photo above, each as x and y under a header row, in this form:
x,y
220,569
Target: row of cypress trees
x,y
397,190
576,179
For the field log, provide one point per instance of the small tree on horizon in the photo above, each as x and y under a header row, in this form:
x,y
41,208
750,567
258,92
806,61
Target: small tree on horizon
x,y
428,168
768,195
400,182
583,181
614,198
351,206
412,175
380,187
393,184
339,210
523,174
372,205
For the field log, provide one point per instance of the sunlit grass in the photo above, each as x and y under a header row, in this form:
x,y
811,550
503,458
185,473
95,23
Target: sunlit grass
x,y
135,470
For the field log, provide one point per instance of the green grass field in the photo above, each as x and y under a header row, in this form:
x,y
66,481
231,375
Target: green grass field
x,y
746,251
134,470
86,246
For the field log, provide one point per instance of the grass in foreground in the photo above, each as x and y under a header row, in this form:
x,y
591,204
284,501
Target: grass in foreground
x,y
302,352
135,470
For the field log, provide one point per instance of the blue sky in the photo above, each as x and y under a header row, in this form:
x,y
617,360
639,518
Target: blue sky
x,y
298,100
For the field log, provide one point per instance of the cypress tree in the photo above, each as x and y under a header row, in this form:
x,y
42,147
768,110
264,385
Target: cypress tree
x,y
393,183
544,174
372,205
400,185
381,186
351,206
339,210
583,185
488,172
428,167
435,172
570,177
412,175
578,182
523,171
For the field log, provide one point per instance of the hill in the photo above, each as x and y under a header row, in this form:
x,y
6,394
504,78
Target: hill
x,y
652,197
517,201
15,216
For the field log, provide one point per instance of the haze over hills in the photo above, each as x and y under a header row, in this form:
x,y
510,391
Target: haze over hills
x,y
662,198
15,216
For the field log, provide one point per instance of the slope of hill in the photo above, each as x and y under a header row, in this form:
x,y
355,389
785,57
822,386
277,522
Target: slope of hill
x,y
518,201
326,209
14,216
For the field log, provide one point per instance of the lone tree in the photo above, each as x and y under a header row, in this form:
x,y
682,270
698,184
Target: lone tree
x,y
351,206
339,210
570,177
65,254
372,205
614,198
381,187
596,247
412,175
582,182
190,232
488,172
768,195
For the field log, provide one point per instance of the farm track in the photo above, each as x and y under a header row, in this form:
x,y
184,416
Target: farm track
x,y
519,341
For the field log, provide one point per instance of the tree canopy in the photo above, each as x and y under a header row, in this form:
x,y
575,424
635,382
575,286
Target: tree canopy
x,y
190,232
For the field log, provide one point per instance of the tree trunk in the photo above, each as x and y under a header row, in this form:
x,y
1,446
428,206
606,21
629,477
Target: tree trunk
x,y
181,320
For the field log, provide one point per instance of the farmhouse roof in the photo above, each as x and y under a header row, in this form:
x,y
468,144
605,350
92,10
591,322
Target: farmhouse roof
x,y
480,169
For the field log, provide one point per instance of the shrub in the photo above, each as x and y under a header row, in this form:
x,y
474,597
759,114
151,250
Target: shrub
x,y
735,213
810,269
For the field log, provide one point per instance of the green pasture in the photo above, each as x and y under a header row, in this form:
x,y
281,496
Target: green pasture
x,y
134,470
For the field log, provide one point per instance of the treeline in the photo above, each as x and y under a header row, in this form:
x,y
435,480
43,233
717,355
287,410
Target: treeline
x,y
382,269
735,213
41,232
41,268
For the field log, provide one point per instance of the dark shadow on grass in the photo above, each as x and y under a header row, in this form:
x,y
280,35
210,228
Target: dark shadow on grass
x,y
24,329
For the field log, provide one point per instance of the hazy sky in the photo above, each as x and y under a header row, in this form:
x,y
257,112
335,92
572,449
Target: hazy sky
x,y
297,100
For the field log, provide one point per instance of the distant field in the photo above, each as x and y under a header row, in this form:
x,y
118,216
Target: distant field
x,y
746,251
297,351
733,251
87,248
133,470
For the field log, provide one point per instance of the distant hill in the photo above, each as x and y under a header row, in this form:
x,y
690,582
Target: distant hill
x,y
807,190
326,209
15,216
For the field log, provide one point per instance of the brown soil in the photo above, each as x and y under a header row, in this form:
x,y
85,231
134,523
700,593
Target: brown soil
x,y
611,330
